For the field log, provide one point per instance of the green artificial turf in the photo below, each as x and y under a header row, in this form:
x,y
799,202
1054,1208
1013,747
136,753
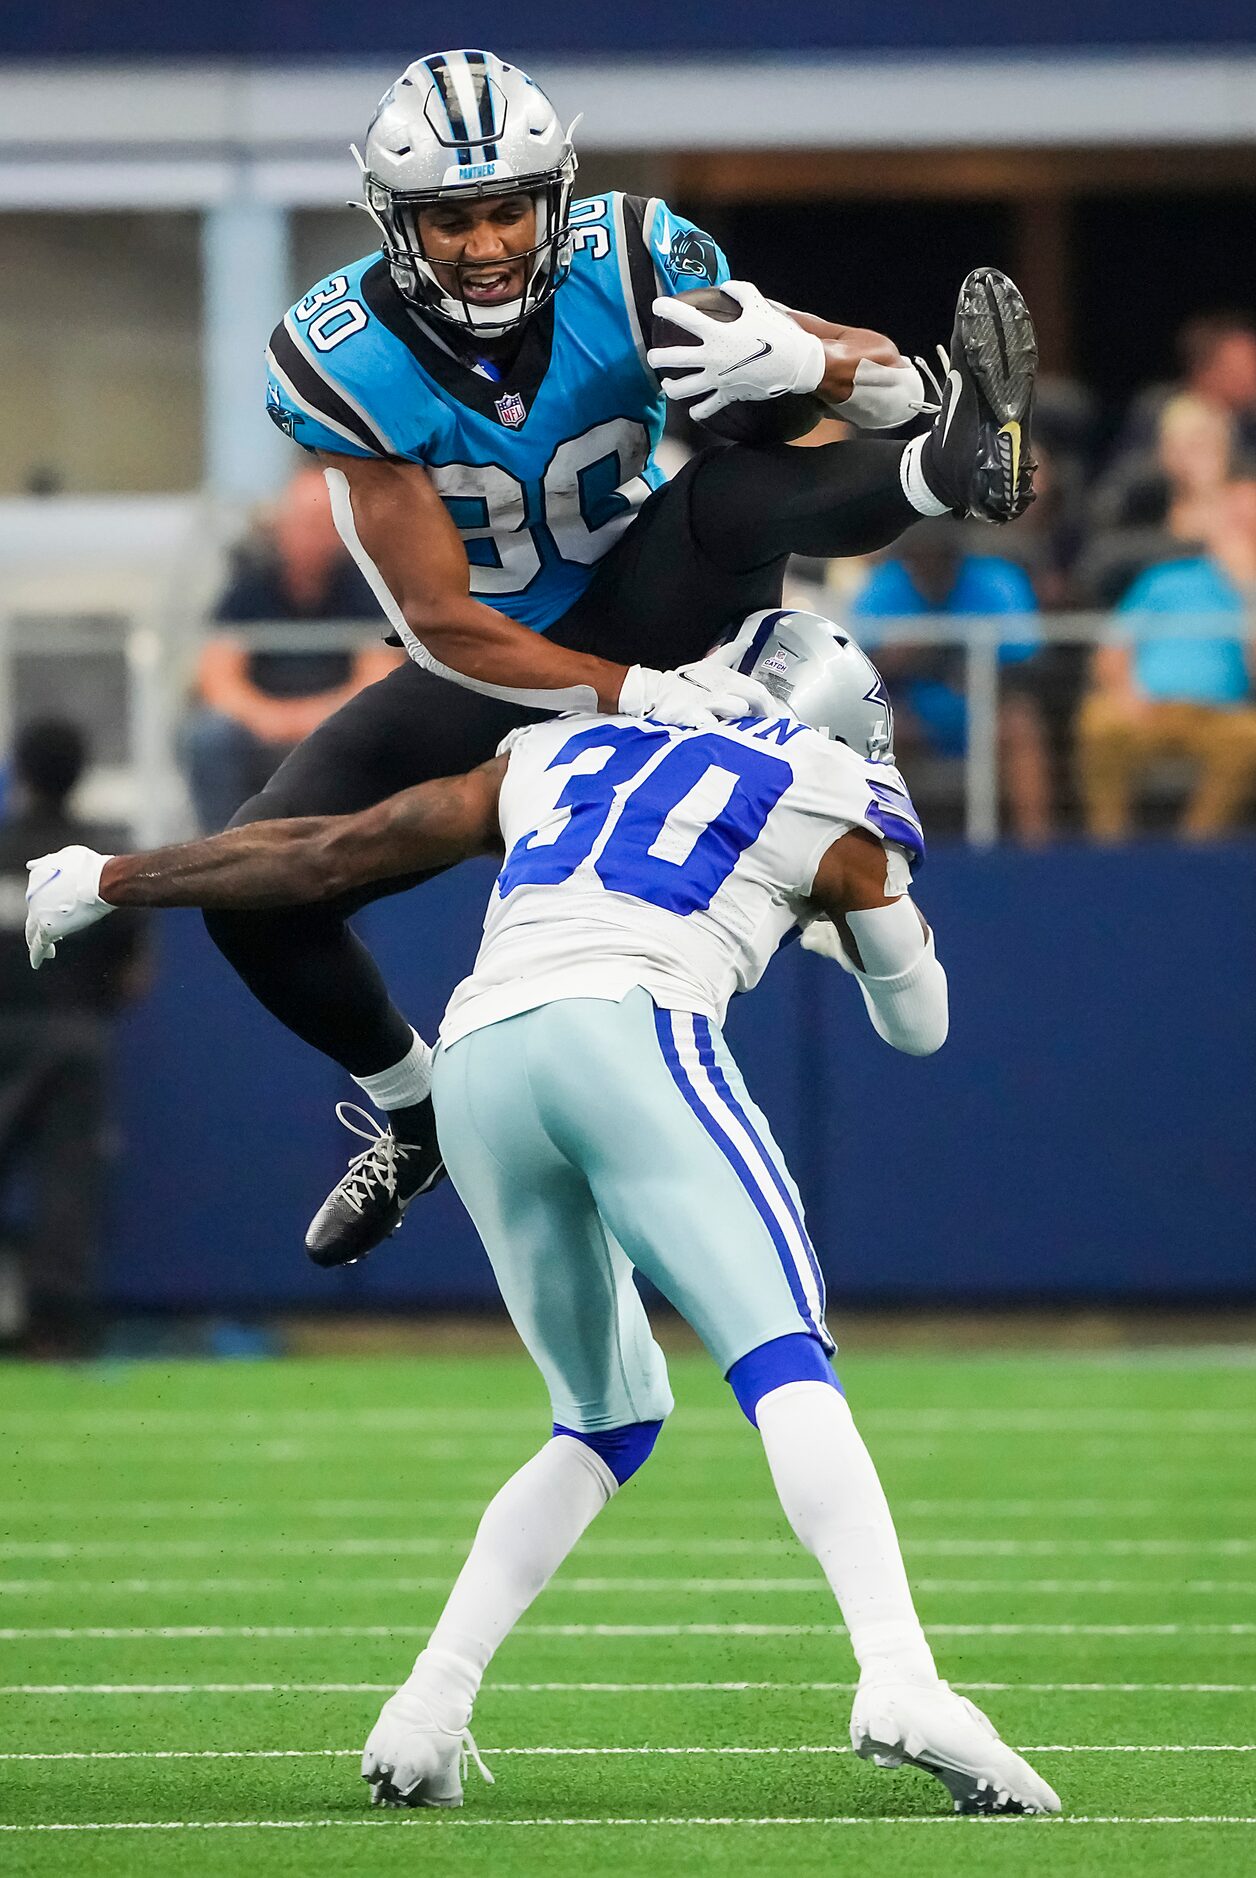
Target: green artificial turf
x,y
302,1520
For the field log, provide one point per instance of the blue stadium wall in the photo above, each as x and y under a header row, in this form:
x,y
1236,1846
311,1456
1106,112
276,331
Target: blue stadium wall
x,y
276,28
1087,1133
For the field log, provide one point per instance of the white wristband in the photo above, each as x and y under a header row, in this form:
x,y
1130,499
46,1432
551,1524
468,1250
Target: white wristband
x,y
884,396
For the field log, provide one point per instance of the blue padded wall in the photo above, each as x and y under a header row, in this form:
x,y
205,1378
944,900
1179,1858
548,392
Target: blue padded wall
x,y
1088,1131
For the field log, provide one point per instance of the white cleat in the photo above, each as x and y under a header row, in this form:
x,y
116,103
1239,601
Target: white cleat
x,y
411,1759
892,1723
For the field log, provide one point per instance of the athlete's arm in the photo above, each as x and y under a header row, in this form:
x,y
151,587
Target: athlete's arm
x,y
880,937
769,351
398,530
866,379
280,863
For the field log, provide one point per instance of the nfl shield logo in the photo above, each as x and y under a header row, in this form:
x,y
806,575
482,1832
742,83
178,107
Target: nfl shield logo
x,y
511,409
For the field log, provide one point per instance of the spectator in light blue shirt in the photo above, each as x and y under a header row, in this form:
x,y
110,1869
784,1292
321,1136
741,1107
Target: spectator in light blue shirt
x,y
933,573
1155,697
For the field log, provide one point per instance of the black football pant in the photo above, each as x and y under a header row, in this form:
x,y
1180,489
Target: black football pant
x,y
706,549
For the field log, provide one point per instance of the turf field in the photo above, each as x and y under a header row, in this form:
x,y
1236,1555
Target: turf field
x,y
211,1575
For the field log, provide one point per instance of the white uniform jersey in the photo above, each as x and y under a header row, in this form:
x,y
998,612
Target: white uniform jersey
x,y
643,854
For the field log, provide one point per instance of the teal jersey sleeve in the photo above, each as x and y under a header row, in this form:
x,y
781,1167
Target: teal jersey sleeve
x,y
684,256
335,371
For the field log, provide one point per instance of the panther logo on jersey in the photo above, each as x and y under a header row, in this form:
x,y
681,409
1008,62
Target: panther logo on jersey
x,y
686,254
279,415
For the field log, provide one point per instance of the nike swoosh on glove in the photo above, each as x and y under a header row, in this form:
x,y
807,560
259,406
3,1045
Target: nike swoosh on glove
x,y
763,353
696,697
63,897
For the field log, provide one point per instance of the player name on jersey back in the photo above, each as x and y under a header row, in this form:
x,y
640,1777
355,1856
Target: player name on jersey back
x,y
643,854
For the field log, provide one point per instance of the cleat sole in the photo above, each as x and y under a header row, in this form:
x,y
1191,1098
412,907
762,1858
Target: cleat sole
x,y
971,1794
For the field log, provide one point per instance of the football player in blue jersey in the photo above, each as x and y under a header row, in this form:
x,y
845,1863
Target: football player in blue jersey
x,y
483,394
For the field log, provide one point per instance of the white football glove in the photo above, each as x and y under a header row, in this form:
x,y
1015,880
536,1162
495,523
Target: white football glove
x,y
63,897
697,696
820,935
761,354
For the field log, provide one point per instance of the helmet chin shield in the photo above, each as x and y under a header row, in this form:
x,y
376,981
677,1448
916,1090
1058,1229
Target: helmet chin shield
x,y
820,674
461,127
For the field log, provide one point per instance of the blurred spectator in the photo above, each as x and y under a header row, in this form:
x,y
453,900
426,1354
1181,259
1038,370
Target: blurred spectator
x,y
933,572
1172,484
1158,698
255,706
1195,452
55,1033
1217,358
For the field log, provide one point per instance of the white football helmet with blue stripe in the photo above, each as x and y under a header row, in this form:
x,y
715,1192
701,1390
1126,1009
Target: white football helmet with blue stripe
x,y
825,678
458,125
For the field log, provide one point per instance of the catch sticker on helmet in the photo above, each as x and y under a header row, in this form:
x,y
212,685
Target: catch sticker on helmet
x,y
815,668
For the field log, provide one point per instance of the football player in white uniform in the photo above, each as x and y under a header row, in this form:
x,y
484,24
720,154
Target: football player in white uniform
x,y
593,1121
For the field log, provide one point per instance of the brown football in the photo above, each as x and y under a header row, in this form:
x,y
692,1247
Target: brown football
x,y
770,420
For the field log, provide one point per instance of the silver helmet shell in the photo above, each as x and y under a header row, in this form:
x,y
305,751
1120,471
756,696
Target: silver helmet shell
x,y
457,126
816,669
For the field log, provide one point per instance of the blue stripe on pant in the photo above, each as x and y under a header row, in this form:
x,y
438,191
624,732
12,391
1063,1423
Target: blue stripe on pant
x,y
570,1135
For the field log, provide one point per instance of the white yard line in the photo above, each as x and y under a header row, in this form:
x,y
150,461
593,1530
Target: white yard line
x,y
423,1545
576,1753
144,1512
614,1688
453,1821
362,1583
196,1632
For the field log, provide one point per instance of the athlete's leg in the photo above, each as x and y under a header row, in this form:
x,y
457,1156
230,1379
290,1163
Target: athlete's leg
x,y
687,1176
752,506
570,1292
311,971
303,963
685,569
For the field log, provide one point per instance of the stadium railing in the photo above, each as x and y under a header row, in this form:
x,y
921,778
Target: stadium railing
x,y
132,672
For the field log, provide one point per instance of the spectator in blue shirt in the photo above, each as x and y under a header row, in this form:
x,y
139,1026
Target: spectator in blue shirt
x,y
1153,698
933,573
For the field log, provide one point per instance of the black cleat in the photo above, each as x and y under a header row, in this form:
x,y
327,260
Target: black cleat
x,y
368,1204
978,456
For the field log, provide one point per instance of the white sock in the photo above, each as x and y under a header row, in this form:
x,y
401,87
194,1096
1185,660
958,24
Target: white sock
x,y
834,1501
526,1532
912,477
407,1082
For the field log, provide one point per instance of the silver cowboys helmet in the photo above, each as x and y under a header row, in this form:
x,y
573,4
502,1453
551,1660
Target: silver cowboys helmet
x,y
815,668
456,126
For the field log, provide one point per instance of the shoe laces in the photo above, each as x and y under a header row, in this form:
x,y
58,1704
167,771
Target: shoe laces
x,y
470,1752
923,407
376,1166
